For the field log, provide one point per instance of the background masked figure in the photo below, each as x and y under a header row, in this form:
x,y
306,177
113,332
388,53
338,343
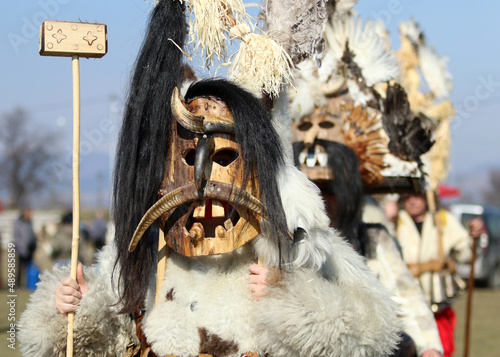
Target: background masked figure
x,y
341,142
343,195
207,166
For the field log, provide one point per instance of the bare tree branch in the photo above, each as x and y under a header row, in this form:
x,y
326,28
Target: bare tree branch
x,y
26,154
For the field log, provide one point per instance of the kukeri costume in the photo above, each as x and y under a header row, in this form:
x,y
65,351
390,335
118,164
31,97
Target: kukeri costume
x,y
421,252
384,259
382,254
341,141
208,166
420,63
431,256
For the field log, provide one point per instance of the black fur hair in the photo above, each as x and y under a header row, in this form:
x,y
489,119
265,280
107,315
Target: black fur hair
x,y
260,146
346,186
142,146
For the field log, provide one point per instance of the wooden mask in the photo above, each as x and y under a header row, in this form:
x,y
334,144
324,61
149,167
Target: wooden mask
x,y
205,206
325,124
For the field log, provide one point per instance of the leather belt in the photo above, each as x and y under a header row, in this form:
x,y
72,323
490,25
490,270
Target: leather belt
x,y
432,265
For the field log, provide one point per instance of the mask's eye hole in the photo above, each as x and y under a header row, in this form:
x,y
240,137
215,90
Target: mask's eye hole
x,y
190,156
326,125
225,157
305,126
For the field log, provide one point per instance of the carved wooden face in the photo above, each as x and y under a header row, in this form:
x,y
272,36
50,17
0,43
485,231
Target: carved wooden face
x,y
325,124
214,214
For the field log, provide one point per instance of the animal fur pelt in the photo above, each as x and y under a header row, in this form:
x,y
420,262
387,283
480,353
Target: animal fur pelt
x,y
298,25
325,303
410,135
43,332
419,60
434,67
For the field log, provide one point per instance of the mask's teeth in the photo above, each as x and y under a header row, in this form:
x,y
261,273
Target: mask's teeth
x,y
302,157
311,157
323,159
199,211
228,224
311,161
217,209
220,232
197,233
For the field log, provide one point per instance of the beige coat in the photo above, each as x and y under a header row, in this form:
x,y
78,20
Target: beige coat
x,y
384,259
418,249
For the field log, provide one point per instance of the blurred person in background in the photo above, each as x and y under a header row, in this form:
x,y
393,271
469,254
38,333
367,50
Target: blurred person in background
x,y
431,245
25,241
43,254
97,230
61,242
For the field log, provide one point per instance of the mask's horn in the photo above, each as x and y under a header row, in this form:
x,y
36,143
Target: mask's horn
x,y
183,116
204,150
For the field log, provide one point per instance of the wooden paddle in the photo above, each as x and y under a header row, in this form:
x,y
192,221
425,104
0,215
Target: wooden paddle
x,y
75,40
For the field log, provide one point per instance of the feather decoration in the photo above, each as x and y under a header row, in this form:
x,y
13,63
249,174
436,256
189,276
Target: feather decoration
x,y
363,133
412,31
359,57
369,52
415,54
344,6
312,85
340,8
435,71
409,135
307,93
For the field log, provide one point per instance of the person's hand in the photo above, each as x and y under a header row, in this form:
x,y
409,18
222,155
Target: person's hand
x,y
391,211
70,292
258,281
476,227
431,353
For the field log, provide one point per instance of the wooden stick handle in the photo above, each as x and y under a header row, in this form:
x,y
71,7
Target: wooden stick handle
x,y
76,191
470,289
431,201
163,252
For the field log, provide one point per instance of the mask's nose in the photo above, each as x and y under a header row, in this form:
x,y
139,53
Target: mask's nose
x,y
310,136
204,151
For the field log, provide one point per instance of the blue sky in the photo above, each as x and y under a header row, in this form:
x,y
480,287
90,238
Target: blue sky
x,y
466,32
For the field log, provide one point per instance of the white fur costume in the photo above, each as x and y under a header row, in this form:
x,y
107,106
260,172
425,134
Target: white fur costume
x,y
327,303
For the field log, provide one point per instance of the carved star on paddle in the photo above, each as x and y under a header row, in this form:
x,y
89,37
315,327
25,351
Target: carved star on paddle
x,y
59,36
90,38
